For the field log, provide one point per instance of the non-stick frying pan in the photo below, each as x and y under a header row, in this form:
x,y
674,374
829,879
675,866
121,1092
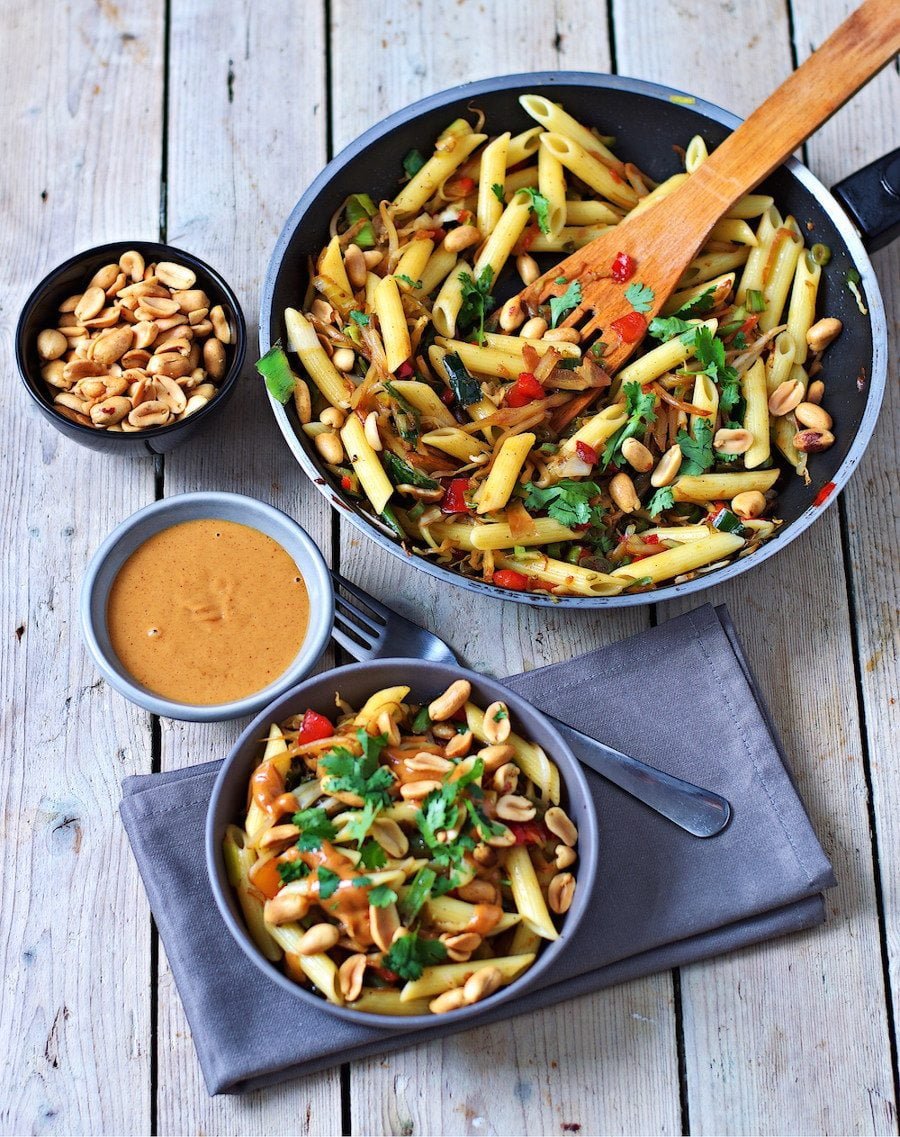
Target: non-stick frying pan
x,y
648,122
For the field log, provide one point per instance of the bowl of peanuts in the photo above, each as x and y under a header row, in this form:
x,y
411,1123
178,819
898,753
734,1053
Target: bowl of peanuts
x,y
459,885
130,347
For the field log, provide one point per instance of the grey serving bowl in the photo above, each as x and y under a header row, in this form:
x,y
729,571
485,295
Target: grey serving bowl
x,y
40,311
355,683
135,530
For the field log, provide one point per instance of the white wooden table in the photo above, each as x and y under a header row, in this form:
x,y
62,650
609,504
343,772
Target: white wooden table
x,y
201,121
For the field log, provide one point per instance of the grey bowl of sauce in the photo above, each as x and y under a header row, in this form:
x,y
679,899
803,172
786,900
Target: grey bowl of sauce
x,y
206,606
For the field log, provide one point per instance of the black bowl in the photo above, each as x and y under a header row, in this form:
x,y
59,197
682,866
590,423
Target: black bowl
x,y
40,312
648,121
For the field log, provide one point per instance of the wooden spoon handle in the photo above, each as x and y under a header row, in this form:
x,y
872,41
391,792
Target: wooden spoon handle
x,y
851,55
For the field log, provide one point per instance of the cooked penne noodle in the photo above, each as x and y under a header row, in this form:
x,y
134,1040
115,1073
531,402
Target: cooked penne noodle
x,y
695,154
732,229
661,191
545,530
756,416
527,893
452,915
426,400
752,205
530,758
238,859
552,185
302,339
336,288
365,464
781,264
660,359
685,557
440,265
778,369
445,976
412,264
485,360
706,398
596,430
522,146
491,174
570,237
753,275
720,286
380,1001
590,213
702,488
802,309
561,576
501,481
392,322
435,171
497,248
458,443
552,117
708,266
516,345
591,170
449,300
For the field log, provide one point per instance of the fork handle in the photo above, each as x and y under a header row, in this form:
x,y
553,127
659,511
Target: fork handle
x,y
699,812
867,40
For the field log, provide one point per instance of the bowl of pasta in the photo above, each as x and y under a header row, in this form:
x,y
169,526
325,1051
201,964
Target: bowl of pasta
x,y
487,440
401,839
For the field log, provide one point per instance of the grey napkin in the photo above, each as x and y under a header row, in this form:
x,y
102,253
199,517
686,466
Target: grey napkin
x,y
680,696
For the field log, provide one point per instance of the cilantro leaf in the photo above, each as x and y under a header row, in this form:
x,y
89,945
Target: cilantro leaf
x,y
641,408
417,893
702,303
361,881
410,955
485,827
710,351
697,448
292,870
671,326
413,162
498,192
358,827
568,501
328,882
540,206
315,827
476,300
640,296
438,812
422,721
568,302
382,896
662,500
371,855
362,776
359,318
407,280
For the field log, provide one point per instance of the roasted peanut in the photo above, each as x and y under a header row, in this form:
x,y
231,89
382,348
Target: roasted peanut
x,y
527,268
384,922
110,411
462,237
54,374
51,344
460,945
104,277
637,455
505,781
815,393
749,504
214,358
502,840
667,468
494,757
150,413
728,441
813,441
285,907
132,264
350,977
355,264
483,983
623,493
534,328
333,417
415,791
221,326
426,763
564,857
786,397
113,344
813,416
514,807
478,892
496,725
823,332
330,447
561,892
344,359
450,1000
318,938
485,855
459,745
561,825
511,314
453,699
175,275
90,304
389,836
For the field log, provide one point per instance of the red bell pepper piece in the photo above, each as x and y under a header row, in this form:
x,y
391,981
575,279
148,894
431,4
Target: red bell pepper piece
x,y
314,727
509,578
623,267
586,453
454,499
529,832
405,370
524,391
629,328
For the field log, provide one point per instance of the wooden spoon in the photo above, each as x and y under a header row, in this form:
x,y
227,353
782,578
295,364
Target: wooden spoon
x,y
666,237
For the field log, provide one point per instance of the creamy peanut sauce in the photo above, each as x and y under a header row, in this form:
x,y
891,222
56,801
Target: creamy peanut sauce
x,y
207,612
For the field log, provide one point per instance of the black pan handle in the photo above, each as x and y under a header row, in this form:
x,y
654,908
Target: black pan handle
x,y
872,198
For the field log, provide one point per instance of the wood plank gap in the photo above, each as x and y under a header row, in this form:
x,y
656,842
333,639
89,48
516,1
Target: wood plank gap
x,y
164,152
611,32
866,759
792,44
684,1099
154,1025
346,1113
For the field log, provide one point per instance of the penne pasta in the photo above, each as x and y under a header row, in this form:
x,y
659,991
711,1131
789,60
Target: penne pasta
x,y
492,175
392,322
702,488
685,557
365,464
436,170
527,893
302,339
501,481
756,416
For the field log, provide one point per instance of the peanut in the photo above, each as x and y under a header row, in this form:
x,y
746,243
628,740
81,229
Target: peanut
x,y
51,344
318,938
815,393
494,757
450,1000
175,275
482,984
527,268
384,922
564,857
461,238
561,825
811,415
505,780
667,468
749,504
330,447
823,332
350,977
453,699
733,441
459,745
623,493
534,328
786,397
333,417
132,264
637,455
561,892
415,791
511,314
813,441
110,411
496,725
389,836
219,321
344,359
460,945
355,264
514,807
562,335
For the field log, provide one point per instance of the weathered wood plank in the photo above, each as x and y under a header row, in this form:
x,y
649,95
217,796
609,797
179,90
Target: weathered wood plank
x,y
861,132
790,1037
83,101
422,48
246,133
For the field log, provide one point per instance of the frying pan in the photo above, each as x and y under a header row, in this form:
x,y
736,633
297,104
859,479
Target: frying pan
x,y
648,122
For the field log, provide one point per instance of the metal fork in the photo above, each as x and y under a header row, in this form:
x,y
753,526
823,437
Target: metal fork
x,y
368,629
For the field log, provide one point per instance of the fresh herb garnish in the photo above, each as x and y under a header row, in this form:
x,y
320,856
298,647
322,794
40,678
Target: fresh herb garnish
x,y
361,881
640,406
406,416
540,206
697,448
360,318
292,870
371,855
485,827
362,776
756,302
276,371
382,895
413,162
640,296
410,955
417,893
358,827
568,302
315,827
328,882
710,351
568,501
498,192
476,300
422,721
668,327
402,473
407,280
699,304
662,500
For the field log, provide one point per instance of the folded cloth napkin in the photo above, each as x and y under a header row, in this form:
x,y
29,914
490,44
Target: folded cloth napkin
x,y
680,696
